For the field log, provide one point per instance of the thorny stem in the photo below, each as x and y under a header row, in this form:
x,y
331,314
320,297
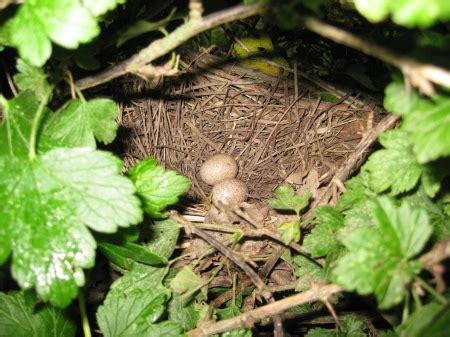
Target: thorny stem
x,y
36,124
84,317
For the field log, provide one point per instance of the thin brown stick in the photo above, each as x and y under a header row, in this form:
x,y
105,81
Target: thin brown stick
x,y
162,46
353,162
247,319
419,74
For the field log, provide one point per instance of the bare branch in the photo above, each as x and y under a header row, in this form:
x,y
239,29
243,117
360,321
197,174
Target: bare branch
x,y
420,75
248,318
162,46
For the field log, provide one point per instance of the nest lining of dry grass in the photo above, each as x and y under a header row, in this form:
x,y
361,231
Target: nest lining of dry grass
x,y
278,129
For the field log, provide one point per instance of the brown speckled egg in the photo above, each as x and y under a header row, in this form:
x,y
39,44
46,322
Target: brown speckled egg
x,y
218,167
230,192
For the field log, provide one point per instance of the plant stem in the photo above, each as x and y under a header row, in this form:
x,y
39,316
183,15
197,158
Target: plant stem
x,y
431,290
35,126
84,318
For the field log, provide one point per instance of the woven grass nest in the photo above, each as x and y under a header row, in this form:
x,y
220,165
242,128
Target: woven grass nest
x,y
278,129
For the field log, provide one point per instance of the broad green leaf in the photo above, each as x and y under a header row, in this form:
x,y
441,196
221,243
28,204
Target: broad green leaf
x,y
432,319
47,205
230,312
132,314
157,187
15,130
307,273
125,254
141,27
166,329
163,237
79,123
409,13
323,238
290,231
394,167
100,7
65,22
286,199
426,120
380,260
187,283
140,277
20,318
429,126
33,79
187,314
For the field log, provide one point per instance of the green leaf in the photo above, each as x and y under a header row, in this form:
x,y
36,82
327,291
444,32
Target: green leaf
x,y
323,238
186,314
166,329
409,13
187,283
125,254
380,260
230,312
157,187
429,320
307,272
286,199
163,237
394,167
131,314
426,120
47,205
79,123
352,326
15,131
320,332
429,126
20,318
290,231
65,22
140,277
33,79
100,7
141,27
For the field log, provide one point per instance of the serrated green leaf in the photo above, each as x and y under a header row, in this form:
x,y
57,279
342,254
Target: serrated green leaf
x,y
230,312
186,314
290,231
166,329
432,319
394,167
33,79
286,199
132,314
140,277
307,273
187,283
157,187
20,318
65,22
163,237
426,120
125,254
429,125
15,130
79,123
323,239
353,326
380,260
47,205
409,13
321,332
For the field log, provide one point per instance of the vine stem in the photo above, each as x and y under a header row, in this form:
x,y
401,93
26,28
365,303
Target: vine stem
x,y
431,290
160,47
84,318
36,124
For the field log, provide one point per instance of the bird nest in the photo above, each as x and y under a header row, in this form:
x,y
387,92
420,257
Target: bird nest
x,y
280,130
